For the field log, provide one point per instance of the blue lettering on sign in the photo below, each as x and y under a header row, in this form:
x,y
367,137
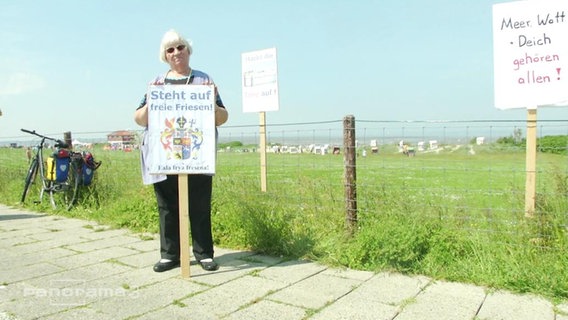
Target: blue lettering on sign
x,y
173,95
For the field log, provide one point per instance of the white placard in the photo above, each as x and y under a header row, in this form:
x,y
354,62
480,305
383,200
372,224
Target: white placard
x,y
530,53
260,81
181,127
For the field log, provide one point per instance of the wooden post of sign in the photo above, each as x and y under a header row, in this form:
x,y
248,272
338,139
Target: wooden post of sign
x,y
263,151
530,183
183,193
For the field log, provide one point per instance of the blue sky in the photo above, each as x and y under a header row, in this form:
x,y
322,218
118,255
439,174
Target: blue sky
x,y
82,66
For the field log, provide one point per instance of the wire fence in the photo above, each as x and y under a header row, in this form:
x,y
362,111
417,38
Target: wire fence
x,y
471,174
468,173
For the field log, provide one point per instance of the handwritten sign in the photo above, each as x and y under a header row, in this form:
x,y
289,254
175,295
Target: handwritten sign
x,y
530,53
260,81
181,127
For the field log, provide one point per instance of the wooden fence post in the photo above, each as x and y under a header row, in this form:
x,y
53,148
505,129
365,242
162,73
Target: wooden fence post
x,y
68,139
350,184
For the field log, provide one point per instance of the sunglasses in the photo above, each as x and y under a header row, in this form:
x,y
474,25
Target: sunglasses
x,y
172,49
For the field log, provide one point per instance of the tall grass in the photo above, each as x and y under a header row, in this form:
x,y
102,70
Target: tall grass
x,y
450,215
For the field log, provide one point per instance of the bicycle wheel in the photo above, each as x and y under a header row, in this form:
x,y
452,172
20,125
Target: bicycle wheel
x,y
30,182
65,194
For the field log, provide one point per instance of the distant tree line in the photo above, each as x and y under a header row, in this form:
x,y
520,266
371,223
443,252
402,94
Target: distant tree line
x,y
232,144
553,144
557,144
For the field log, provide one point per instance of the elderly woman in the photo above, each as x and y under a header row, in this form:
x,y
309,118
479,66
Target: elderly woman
x,y
175,51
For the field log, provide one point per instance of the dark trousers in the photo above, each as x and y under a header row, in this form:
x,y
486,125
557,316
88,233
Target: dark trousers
x,y
200,187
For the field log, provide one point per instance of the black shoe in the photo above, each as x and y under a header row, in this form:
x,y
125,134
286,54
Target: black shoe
x,y
209,264
165,266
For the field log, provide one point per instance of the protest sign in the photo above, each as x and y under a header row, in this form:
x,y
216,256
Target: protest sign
x,y
530,53
260,81
181,126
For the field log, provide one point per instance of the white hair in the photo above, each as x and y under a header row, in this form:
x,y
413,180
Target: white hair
x,y
171,39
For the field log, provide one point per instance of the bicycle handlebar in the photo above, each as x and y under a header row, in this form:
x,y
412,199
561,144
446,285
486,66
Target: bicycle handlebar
x,y
58,143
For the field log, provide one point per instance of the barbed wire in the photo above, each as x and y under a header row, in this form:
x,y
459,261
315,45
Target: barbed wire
x,y
310,126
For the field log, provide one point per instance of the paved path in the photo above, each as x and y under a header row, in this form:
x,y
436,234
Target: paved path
x,y
61,268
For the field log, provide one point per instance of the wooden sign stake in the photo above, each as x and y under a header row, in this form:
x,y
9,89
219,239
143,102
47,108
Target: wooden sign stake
x,y
263,151
530,182
183,193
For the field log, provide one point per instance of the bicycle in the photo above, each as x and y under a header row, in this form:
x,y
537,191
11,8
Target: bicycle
x,y
63,190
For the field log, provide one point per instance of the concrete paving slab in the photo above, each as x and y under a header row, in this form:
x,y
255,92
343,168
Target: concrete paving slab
x,y
349,274
79,260
54,223
26,221
80,313
83,274
260,258
15,274
139,260
563,307
17,240
36,304
39,246
6,316
74,233
352,307
229,297
228,271
391,288
444,301
37,224
289,272
179,312
59,223
315,292
223,255
140,301
47,255
103,233
133,279
269,310
14,291
145,246
111,241
508,306
377,298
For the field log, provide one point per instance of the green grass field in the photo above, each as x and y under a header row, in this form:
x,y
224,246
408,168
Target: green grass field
x,y
449,215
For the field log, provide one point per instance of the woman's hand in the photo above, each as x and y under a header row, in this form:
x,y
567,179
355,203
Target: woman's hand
x,y
221,115
158,81
209,82
141,116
